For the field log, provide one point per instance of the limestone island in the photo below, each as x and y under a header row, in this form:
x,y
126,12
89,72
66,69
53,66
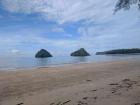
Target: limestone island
x,y
120,51
80,52
43,54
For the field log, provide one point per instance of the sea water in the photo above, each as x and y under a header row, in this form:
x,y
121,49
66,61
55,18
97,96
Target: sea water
x,y
18,63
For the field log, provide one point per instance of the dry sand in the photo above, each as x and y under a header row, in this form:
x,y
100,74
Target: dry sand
x,y
106,83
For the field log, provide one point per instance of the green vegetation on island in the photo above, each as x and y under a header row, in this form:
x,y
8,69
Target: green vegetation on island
x,y
120,51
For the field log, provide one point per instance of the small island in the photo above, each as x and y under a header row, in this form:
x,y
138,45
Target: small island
x,y
80,52
43,54
120,51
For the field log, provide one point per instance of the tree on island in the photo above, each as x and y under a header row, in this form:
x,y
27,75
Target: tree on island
x,y
126,4
120,51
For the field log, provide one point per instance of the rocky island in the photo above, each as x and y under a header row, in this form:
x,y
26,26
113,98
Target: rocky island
x,y
120,51
80,52
43,54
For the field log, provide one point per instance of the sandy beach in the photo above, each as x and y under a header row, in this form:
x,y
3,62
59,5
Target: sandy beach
x,y
104,83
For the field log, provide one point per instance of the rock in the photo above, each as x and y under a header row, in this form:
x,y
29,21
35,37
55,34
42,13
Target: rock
x,y
80,52
43,54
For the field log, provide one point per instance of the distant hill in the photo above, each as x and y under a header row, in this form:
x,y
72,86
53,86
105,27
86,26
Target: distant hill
x,y
120,51
80,52
43,54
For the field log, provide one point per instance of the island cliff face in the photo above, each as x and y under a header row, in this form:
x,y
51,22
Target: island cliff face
x,y
43,54
120,51
80,52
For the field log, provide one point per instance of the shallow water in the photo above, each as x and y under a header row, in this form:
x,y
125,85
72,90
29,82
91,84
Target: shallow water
x,y
9,63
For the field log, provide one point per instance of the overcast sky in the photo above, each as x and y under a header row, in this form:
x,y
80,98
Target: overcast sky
x,y
62,26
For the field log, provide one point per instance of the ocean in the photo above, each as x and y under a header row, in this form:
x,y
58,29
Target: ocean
x,y
19,63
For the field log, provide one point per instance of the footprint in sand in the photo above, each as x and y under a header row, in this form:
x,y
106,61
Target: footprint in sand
x,y
20,103
61,103
94,90
125,84
82,103
136,104
114,84
85,98
88,80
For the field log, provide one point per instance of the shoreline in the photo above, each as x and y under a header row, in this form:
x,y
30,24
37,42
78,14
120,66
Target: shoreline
x,y
64,64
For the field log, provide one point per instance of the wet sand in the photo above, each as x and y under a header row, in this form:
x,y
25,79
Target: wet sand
x,y
104,83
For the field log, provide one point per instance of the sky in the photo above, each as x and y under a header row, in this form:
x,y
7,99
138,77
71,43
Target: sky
x,y
62,26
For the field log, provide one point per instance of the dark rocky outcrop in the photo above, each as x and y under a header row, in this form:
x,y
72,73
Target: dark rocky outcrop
x,y
43,54
120,51
80,52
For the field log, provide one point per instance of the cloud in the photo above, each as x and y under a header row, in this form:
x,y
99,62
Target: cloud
x,y
15,51
58,30
63,11
119,31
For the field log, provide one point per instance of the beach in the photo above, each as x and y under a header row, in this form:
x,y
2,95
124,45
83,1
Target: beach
x,y
98,83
